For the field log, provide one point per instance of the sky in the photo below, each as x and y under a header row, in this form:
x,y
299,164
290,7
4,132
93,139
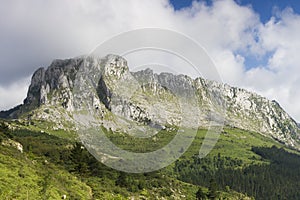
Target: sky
x,y
254,44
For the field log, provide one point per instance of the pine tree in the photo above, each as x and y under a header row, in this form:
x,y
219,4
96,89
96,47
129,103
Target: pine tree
x,y
212,189
200,194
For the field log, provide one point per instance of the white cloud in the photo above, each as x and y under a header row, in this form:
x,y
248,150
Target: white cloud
x,y
14,94
280,78
35,32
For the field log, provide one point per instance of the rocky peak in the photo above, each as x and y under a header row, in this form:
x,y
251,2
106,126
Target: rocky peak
x,y
121,97
61,73
35,86
115,66
45,84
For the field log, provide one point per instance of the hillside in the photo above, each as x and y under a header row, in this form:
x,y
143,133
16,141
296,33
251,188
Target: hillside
x,y
51,166
58,91
49,142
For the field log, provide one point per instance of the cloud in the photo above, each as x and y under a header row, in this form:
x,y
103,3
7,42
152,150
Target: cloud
x,y
35,32
14,93
280,78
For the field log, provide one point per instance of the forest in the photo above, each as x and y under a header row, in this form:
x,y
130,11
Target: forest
x,y
277,180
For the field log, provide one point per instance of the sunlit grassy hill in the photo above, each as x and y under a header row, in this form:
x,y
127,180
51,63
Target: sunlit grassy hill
x,y
54,164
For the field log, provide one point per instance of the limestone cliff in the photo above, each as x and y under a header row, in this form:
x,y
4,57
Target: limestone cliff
x,y
121,99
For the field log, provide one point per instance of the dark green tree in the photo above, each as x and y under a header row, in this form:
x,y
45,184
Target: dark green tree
x,y
79,157
122,180
200,194
213,187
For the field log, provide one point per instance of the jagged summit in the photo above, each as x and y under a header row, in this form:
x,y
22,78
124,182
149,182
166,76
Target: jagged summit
x,y
121,98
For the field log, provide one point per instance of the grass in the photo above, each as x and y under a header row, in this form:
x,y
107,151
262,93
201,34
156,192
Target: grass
x,y
134,144
25,178
37,172
234,143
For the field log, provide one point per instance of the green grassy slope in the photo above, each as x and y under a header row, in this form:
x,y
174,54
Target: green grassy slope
x,y
53,164
30,177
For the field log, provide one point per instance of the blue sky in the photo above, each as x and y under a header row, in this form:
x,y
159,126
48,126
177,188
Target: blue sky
x,y
265,8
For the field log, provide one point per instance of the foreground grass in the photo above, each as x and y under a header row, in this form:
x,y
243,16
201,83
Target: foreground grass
x,y
22,177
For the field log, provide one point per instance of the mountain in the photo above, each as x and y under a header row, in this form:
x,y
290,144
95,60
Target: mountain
x,y
42,157
122,100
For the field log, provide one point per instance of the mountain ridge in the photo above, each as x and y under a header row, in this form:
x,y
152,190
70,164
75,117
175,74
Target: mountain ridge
x,y
51,97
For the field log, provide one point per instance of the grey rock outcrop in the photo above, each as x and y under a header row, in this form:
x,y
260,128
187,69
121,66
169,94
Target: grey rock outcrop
x,y
120,98
12,143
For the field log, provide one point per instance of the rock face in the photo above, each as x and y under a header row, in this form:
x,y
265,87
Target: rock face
x,y
122,99
56,82
14,144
